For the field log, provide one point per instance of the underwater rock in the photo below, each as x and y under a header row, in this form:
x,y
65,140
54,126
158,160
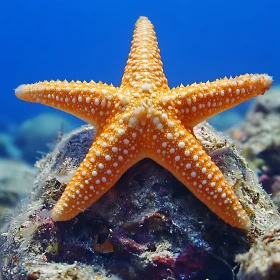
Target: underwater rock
x,y
259,140
262,262
37,134
15,183
148,225
54,271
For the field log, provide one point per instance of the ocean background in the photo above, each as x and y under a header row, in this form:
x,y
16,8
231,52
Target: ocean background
x,y
84,40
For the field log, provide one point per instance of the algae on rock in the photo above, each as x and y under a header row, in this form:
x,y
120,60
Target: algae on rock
x,y
147,226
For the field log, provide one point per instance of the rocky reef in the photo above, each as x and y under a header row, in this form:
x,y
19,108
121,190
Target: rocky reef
x,y
258,136
263,259
147,226
259,139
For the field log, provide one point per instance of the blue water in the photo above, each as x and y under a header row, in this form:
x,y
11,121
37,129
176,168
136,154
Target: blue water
x,y
67,39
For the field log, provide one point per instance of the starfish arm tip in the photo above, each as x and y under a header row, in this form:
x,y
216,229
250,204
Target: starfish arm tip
x,y
245,225
268,79
54,218
57,215
248,225
54,215
20,91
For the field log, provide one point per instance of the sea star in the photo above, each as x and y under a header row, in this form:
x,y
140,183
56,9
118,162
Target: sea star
x,y
144,118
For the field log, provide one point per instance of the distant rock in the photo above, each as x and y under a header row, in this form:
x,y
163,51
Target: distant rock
x,y
258,137
148,226
37,134
16,180
8,148
260,131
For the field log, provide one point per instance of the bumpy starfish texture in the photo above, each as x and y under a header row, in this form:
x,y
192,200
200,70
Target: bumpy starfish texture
x,y
144,118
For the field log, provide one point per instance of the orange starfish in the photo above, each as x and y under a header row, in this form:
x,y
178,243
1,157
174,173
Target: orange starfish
x,y
145,118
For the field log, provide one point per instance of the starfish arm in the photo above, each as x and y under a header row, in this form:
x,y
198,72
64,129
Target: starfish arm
x,y
198,102
114,150
88,101
144,69
182,154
